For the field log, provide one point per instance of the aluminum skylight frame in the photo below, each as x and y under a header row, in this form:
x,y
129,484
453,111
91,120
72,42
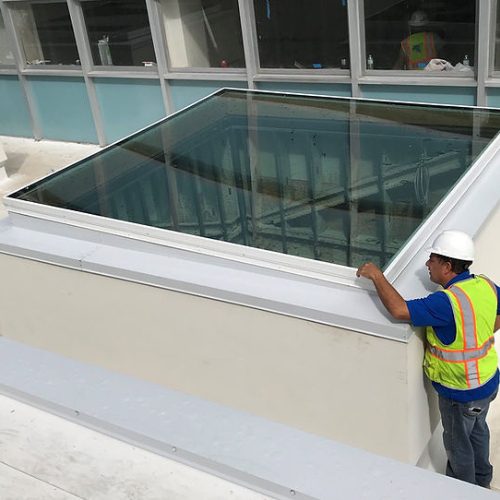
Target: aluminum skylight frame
x,y
330,272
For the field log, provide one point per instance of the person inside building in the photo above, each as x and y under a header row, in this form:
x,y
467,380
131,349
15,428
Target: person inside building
x,y
422,44
460,357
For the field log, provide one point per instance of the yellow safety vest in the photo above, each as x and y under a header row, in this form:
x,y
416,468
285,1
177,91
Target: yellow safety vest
x,y
419,49
471,360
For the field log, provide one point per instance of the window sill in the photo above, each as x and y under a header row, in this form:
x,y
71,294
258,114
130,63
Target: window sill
x,y
398,78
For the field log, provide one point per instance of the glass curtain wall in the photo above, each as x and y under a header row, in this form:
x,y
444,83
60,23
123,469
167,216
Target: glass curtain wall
x,y
436,36
45,32
302,34
6,55
119,32
203,33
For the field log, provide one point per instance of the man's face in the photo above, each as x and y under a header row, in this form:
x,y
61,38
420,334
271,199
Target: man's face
x,y
437,270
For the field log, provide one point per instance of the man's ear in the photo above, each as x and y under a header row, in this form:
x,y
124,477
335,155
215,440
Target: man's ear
x,y
448,267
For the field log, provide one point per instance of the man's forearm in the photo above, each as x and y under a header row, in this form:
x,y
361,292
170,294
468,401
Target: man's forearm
x,y
389,296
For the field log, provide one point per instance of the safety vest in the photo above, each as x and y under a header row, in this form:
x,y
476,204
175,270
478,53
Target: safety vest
x,y
419,49
471,360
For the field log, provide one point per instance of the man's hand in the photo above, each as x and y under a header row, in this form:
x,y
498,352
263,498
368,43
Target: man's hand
x,y
369,270
389,296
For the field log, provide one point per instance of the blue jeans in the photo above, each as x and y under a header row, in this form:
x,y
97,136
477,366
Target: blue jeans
x,y
466,440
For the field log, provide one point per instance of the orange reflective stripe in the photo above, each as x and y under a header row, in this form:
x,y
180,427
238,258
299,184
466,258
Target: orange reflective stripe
x,y
467,314
474,325
466,368
462,319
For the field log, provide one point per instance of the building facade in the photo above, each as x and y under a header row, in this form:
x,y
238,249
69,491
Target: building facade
x,y
97,70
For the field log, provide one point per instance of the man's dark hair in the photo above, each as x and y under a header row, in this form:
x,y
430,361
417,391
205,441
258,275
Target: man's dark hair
x,y
457,266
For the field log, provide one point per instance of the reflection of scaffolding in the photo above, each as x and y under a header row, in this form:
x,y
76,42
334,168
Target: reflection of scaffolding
x,y
209,191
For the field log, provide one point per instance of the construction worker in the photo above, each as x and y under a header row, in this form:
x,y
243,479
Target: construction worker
x,y
420,46
460,357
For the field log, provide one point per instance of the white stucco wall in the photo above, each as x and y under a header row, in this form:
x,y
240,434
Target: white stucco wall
x,y
351,387
486,242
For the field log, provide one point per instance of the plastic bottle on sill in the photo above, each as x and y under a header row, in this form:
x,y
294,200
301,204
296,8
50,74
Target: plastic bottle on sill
x,y
466,61
369,62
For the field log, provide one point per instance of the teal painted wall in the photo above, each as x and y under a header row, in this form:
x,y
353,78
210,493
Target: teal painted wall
x,y
185,92
63,108
437,95
493,97
340,90
14,113
128,105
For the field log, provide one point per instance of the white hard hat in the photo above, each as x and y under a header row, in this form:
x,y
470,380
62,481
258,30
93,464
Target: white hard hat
x,y
454,244
418,19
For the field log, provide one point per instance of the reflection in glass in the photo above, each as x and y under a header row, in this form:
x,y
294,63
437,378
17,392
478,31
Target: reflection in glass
x,y
336,180
438,36
497,40
119,32
302,34
46,33
6,55
203,33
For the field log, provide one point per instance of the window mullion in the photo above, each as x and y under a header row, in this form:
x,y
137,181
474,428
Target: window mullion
x,y
356,43
484,36
249,34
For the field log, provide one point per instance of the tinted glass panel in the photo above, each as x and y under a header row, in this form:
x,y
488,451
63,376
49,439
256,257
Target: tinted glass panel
x,y
407,35
46,33
203,33
336,180
302,34
119,33
6,55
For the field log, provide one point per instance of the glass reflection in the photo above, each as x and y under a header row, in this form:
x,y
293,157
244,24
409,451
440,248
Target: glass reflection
x,y
335,180
435,36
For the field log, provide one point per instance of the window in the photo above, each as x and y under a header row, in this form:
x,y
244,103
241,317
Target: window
x,y
203,33
497,41
302,34
45,33
6,56
119,33
407,35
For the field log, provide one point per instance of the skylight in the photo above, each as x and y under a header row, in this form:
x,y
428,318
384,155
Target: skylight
x,y
330,179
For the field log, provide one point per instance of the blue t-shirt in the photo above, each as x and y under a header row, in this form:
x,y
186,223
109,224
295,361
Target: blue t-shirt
x,y
435,310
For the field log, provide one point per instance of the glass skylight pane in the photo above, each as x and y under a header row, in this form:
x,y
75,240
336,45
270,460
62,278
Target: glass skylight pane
x,y
335,180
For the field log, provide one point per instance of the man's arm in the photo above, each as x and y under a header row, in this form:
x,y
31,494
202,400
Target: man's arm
x,y
497,324
389,296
